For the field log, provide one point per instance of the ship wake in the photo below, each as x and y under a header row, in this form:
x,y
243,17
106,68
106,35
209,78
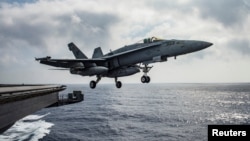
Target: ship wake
x,y
30,128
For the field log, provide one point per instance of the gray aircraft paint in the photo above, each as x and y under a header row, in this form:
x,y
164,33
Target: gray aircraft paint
x,y
124,61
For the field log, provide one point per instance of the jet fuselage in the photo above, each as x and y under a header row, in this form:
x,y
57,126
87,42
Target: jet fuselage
x,y
155,51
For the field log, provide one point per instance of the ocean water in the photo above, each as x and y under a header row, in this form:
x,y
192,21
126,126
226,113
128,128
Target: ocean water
x,y
171,112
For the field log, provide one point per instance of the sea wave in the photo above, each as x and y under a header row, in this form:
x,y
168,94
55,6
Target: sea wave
x,y
31,128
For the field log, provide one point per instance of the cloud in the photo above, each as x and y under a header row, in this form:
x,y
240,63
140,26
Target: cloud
x,y
35,25
241,45
36,28
228,12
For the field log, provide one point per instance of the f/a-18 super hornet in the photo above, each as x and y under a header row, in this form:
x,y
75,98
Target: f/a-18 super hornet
x,y
125,61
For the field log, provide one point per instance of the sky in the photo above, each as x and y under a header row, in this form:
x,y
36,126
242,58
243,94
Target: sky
x,y
39,28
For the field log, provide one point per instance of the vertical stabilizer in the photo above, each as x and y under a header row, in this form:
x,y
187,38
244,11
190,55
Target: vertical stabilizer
x,y
97,53
76,51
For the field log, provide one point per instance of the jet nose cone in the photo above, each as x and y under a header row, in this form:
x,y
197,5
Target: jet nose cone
x,y
199,45
207,44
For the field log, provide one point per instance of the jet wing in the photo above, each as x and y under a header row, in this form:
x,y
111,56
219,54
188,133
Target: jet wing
x,y
73,63
69,63
79,60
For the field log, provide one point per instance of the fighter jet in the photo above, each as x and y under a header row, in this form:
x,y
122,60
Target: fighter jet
x,y
125,61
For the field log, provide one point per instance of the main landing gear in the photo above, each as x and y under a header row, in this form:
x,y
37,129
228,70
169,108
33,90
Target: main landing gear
x,y
118,84
145,78
93,83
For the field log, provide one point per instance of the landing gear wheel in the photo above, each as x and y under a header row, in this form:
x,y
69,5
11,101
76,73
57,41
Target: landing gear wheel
x,y
148,79
92,84
118,84
145,79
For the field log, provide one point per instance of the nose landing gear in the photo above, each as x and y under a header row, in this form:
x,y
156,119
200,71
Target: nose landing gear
x,y
145,78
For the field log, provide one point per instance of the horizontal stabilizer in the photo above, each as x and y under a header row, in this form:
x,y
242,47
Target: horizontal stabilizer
x,y
76,51
60,69
97,53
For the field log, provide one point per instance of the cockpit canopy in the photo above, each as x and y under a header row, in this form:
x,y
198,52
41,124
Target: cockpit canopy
x,y
151,40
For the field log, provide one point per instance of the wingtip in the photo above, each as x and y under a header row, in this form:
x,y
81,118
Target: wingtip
x,y
43,58
36,59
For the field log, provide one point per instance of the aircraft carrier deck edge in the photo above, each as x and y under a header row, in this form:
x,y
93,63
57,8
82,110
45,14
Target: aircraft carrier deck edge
x,y
18,101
